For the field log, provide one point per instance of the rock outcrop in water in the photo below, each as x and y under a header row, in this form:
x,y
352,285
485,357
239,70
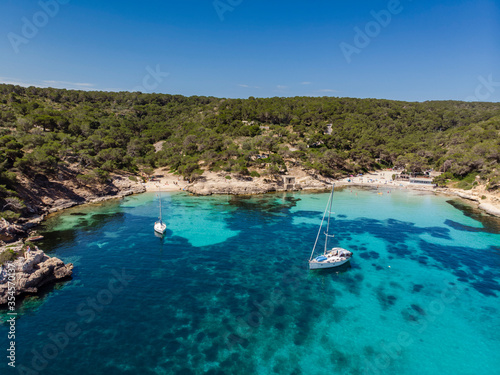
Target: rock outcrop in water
x,y
491,209
487,202
233,189
217,183
32,272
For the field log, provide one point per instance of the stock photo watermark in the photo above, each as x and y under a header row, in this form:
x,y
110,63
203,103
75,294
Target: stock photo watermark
x,y
31,26
484,89
364,36
223,6
246,325
152,79
394,350
11,306
56,343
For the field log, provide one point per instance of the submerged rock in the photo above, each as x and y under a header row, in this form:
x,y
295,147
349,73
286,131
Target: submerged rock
x,y
32,272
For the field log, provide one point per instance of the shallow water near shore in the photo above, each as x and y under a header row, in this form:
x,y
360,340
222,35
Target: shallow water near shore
x,y
227,290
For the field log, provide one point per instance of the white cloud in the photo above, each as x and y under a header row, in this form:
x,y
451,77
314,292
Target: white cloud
x,y
113,90
249,87
327,90
305,83
47,83
66,83
18,82
282,87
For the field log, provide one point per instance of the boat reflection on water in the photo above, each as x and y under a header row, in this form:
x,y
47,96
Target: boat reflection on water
x,y
328,278
343,268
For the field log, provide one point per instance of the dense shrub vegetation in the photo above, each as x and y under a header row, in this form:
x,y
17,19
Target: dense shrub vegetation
x,y
43,129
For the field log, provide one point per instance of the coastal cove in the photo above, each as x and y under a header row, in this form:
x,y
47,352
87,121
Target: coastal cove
x,y
217,183
208,190
227,289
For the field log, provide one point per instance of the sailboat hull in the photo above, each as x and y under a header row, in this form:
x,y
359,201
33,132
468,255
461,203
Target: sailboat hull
x,y
337,256
333,258
313,265
160,227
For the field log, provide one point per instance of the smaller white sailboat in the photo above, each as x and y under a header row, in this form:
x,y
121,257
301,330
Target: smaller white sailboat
x,y
330,258
160,227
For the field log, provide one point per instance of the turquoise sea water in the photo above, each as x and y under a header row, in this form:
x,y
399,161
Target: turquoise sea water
x,y
227,290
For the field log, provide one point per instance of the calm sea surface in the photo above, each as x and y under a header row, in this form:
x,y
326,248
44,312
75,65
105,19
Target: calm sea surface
x,y
228,291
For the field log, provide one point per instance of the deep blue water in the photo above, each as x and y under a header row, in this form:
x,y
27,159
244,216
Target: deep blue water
x,y
227,290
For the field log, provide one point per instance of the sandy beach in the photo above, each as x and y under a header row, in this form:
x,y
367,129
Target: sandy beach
x,y
164,181
382,179
217,183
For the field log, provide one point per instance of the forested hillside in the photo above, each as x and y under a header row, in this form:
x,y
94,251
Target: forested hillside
x,y
43,129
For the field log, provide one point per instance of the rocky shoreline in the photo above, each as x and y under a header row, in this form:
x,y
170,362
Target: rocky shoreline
x,y
217,184
51,198
491,205
31,272
38,269
119,186
251,187
47,197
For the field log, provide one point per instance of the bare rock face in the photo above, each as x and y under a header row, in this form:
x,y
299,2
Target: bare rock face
x,y
489,208
32,273
233,189
251,187
8,231
470,197
126,186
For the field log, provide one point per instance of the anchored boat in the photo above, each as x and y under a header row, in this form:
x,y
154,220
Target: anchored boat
x,y
160,227
330,258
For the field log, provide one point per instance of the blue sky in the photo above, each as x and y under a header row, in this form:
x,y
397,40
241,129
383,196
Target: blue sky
x,y
426,51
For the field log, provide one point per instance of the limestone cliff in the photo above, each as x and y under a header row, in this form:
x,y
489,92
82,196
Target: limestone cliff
x,y
43,195
32,272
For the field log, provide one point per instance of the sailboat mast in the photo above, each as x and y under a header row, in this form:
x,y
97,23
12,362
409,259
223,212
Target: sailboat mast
x,y
329,215
319,232
159,197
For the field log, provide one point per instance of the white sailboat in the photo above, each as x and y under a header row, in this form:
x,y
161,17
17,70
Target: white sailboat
x,y
330,258
160,226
